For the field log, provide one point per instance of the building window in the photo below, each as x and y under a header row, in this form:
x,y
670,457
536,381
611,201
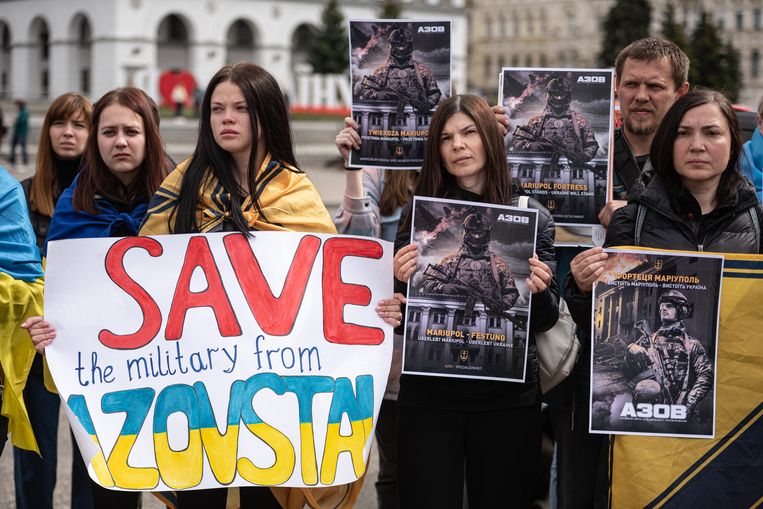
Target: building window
x,y
515,61
543,60
740,20
755,64
578,174
571,24
414,316
528,172
756,22
374,120
438,317
494,322
529,61
472,320
488,68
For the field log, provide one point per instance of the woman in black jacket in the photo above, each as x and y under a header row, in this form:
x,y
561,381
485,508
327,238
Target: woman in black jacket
x,y
696,201
492,428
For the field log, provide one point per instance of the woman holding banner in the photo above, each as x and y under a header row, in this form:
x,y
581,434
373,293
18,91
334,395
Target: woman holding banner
x,y
59,158
243,177
697,200
493,428
124,163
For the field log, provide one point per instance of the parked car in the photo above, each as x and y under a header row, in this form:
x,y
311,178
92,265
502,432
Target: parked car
x,y
747,121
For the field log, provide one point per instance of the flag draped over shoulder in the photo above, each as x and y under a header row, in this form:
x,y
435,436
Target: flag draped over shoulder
x,y
727,471
70,223
286,197
287,201
20,297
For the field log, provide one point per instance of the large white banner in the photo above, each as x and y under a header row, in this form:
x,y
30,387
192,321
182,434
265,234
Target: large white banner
x,y
197,361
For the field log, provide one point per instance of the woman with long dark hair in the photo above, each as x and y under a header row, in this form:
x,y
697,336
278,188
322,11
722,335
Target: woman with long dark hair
x,y
697,200
63,136
243,177
448,428
124,164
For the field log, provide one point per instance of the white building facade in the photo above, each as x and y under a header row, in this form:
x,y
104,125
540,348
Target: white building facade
x,y
568,33
48,47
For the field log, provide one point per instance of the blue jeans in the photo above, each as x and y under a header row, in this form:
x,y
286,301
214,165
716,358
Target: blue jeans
x,y
35,476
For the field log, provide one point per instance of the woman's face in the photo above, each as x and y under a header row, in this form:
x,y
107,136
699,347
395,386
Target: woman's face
x,y
230,119
703,145
68,136
121,141
463,153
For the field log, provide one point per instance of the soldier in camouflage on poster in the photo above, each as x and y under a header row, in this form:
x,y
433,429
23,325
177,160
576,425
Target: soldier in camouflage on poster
x,y
474,271
669,366
401,79
558,129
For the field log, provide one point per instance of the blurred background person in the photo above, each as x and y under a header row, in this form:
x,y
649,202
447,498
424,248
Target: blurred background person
x,y
20,132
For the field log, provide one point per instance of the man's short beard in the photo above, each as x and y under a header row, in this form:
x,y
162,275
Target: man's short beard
x,y
640,129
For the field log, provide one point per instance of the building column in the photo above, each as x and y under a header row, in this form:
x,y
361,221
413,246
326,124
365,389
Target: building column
x,y
62,73
482,321
206,58
21,86
451,318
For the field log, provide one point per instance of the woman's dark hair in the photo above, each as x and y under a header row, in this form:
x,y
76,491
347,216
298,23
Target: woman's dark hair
x,y
265,102
45,186
96,178
661,153
435,181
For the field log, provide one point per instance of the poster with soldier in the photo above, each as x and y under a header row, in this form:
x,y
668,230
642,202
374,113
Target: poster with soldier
x,y
654,333
559,144
399,73
468,303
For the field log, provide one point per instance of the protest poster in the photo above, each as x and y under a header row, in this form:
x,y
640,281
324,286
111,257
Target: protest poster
x,y
468,303
399,73
654,333
724,471
199,361
559,146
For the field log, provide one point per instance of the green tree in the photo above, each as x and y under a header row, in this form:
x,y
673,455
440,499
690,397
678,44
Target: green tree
x,y
390,9
674,31
716,63
329,52
626,21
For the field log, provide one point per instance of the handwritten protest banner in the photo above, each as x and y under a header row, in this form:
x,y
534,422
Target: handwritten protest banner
x,y
197,361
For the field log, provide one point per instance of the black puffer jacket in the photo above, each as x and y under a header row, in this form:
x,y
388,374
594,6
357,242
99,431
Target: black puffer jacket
x,y
462,394
677,222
